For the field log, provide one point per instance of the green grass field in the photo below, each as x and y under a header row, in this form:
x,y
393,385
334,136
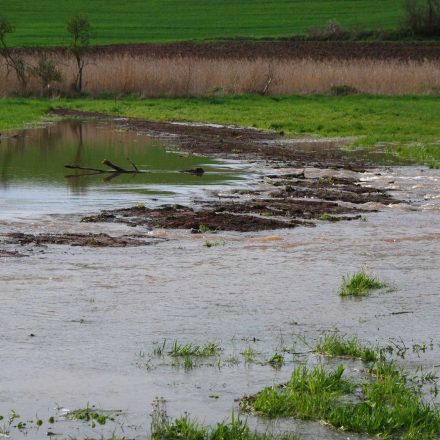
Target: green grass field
x,y
410,123
42,23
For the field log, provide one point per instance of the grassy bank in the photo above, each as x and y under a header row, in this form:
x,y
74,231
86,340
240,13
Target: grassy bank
x,y
409,123
43,23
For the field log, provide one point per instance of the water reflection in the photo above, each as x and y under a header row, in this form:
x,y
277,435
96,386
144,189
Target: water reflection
x,y
32,167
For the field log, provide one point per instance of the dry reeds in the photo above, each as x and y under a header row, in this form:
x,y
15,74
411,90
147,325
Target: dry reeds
x,y
191,76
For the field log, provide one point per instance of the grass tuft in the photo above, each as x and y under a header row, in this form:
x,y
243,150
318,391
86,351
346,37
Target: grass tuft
x,y
360,284
185,350
308,395
335,344
91,414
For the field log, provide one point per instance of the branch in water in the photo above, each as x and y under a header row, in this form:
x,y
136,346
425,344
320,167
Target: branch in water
x,y
114,168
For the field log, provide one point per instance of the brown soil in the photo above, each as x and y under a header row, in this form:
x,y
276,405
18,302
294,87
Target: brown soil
x,y
93,240
257,214
276,49
182,217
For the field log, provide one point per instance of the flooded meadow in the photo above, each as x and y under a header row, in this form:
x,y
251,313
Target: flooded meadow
x,y
223,282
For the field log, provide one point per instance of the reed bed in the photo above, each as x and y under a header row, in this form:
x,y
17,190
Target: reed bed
x,y
119,75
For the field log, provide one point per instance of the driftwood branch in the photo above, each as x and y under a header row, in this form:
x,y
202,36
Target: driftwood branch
x,y
114,168
78,167
110,164
133,164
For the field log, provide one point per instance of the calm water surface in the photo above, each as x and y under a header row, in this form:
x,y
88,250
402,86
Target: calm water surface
x,y
33,179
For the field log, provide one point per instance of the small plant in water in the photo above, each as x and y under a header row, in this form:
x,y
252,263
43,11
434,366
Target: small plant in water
x,y
249,355
211,243
159,349
93,415
188,363
182,350
325,217
335,344
276,361
163,428
205,230
360,284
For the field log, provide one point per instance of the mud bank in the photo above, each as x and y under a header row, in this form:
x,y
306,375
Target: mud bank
x,y
91,240
287,197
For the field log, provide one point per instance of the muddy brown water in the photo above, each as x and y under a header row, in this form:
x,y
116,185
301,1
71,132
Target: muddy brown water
x,y
96,313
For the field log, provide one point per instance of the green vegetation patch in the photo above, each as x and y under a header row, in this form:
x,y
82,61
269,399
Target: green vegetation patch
x,y
182,350
43,23
388,405
335,344
93,415
310,394
18,113
360,284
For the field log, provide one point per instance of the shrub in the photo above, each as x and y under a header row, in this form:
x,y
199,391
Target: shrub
x,y
422,17
331,31
47,72
342,90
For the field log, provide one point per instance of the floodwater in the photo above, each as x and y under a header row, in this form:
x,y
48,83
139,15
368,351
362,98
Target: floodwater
x,y
33,179
96,314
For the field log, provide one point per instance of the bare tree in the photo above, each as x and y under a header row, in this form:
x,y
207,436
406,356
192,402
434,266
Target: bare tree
x,y
13,62
78,26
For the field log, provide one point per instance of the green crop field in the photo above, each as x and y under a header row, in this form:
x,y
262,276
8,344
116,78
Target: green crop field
x,y
42,23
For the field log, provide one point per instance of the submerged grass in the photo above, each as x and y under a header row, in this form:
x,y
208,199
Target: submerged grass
x,y
389,406
184,350
186,428
335,344
93,415
385,403
276,361
360,284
